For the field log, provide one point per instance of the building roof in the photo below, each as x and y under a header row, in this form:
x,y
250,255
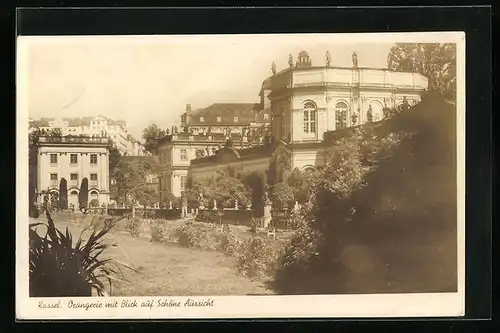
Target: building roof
x,y
226,111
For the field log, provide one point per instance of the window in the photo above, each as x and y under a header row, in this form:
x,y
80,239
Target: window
x,y
73,158
202,119
93,177
53,176
93,159
309,118
184,154
183,182
235,119
73,179
219,119
53,158
341,115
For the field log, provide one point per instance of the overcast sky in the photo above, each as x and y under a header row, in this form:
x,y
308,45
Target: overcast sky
x,y
150,79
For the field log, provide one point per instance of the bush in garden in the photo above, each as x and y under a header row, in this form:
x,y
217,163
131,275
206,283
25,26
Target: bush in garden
x,y
189,235
34,211
227,242
94,203
59,268
158,231
134,226
255,257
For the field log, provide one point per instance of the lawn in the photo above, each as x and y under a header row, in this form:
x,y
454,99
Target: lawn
x,y
168,269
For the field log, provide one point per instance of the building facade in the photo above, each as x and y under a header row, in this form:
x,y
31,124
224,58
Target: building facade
x,y
73,158
203,133
94,126
308,101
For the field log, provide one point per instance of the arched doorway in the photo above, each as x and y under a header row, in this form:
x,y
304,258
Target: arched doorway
x,y
341,112
375,108
73,199
93,197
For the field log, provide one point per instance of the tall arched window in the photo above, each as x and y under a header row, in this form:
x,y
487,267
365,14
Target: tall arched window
x,y
341,115
309,118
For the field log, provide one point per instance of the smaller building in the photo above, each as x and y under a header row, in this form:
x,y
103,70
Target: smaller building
x,y
73,158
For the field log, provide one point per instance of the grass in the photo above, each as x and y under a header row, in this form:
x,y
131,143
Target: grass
x,y
168,269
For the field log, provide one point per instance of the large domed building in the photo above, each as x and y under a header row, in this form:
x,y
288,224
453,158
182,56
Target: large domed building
x,y
306,101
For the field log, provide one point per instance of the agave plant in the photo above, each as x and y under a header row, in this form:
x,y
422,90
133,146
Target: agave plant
x,y
60,269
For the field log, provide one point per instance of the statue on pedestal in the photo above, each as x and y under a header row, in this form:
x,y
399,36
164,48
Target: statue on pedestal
x,y
355,59
273,68
215,204
170,205
290,60
236,204
328,58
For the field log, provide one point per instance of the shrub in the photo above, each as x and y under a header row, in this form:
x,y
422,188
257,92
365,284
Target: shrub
x,y
60,269
188,235
94,203
160,231
227,242
83,195
134,226
255,257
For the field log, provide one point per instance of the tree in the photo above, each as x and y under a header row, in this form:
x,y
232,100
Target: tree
x,y
433,60
282,195
130,186
151,135
255,182
83,196
63,194
114,156
55,132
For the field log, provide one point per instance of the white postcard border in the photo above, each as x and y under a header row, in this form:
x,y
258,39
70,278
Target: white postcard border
x,y
345,306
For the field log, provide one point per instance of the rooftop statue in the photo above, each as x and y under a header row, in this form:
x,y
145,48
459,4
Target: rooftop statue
x,y
355,59
290,60
328,58
273,68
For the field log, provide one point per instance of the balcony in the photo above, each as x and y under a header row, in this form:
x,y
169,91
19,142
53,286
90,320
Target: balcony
x,y
73,139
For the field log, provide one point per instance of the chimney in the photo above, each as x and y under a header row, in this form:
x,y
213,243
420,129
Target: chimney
x,y
188,107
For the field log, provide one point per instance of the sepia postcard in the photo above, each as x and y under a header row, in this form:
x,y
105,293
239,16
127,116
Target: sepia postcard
x,y
240,176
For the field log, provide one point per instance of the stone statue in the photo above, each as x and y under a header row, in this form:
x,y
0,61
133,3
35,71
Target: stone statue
x,y
369,114
290,60
273,68
328,58
236,204
215,204
170,205
355,59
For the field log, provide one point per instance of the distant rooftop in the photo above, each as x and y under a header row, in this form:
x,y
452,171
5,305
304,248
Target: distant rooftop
x,y
245,112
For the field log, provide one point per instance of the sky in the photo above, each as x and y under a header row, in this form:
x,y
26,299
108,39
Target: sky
x,y
145,80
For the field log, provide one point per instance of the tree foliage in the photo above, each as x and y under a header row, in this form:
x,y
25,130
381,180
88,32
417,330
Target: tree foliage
x,y
83,196
151,135
433,60
130,186
63,194
282,195
114,155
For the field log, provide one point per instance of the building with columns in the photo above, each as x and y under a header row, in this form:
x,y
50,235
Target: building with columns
x,y
307,101
73,158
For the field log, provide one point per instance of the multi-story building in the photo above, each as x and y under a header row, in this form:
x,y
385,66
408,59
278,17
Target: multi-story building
x,y
73,158
307,101
93,126
203,132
